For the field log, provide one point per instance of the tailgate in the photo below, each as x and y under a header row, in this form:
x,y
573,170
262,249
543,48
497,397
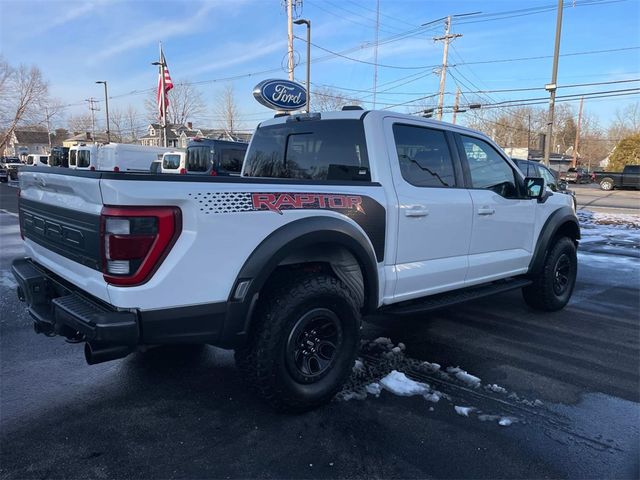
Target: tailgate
x,y
60,221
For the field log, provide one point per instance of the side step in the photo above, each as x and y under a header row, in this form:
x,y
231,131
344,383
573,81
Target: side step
x,y
448,299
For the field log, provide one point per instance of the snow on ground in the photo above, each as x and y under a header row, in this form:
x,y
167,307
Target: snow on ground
x,y
383,367
609,228
399,384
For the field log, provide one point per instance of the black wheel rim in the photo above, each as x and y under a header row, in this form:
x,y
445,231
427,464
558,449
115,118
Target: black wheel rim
x,y
562,274
313,344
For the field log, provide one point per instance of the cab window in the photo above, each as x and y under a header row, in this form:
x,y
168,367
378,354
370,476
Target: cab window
x,y
488,169
424,156
83,158
231,160
171,162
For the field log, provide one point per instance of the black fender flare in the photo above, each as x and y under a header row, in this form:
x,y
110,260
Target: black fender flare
x,y
563,218
277,246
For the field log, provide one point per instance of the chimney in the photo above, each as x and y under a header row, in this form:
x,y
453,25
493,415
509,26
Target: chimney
x,y
190,125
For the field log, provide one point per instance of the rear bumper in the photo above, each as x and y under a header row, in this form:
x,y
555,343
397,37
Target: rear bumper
x,y
59,308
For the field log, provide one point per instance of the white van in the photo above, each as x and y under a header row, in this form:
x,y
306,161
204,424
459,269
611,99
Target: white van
x,y
37,160
115,157
174,162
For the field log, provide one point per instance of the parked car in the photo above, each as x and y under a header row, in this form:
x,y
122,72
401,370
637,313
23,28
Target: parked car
x,y
174,162
215,157
8,165
114,157
576,175
551,177
628,178
336,215
38,160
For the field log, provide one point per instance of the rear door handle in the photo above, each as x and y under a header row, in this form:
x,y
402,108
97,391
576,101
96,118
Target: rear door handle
x,y
416,211
486,211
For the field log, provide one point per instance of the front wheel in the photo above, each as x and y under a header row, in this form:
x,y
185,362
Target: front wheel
x,y
606,184
552,287
303,345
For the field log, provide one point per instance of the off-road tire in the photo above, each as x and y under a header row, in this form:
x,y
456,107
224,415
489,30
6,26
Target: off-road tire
x,y
543,293
607,184
265,360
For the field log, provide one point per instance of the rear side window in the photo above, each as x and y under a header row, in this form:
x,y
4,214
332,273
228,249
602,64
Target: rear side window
x,y
424,156
231,159
199,158
171,162
310,150
83,158
72,157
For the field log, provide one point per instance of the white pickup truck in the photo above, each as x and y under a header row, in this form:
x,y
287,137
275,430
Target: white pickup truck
x,y
336,215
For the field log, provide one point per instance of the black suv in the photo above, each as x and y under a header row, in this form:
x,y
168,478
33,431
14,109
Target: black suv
x,y
551,178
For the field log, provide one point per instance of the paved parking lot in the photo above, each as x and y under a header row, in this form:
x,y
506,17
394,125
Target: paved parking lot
x,y
546,395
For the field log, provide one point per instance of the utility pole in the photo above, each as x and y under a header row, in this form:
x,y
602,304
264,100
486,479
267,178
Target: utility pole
x,y
302,21
106,106
456,103
443,73
46,112
529,137
290,36
552,87
375,55
574,161
93,109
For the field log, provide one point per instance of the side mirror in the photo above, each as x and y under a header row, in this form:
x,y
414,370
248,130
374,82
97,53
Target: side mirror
x,y
534,187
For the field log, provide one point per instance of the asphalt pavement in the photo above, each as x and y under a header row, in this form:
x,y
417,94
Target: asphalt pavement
x,y
568,383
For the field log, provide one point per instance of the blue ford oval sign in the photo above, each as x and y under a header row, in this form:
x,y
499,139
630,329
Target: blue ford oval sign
x,y
283,95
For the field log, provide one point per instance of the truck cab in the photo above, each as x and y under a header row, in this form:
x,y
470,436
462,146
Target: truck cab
x,y
214,157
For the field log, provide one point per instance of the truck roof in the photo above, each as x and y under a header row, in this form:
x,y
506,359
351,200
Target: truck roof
x,y
360,114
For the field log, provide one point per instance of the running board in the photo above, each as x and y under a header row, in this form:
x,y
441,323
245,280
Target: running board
x,y
448,299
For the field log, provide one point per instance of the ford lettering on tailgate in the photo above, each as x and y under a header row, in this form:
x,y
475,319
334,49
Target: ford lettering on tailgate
x,y
72,234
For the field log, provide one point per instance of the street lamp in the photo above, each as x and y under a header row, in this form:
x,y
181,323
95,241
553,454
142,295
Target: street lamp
x,y
106,107
302,21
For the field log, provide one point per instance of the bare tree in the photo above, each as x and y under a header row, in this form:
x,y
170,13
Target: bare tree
x,y
131,124
185,102
228,111
117,123
626,122
80,123
24,92
326,99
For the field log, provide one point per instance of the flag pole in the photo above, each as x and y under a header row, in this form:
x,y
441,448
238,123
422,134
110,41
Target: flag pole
x,y
162,92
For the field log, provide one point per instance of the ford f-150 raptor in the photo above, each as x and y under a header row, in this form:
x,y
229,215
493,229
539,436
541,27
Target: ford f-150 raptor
x,y
335,216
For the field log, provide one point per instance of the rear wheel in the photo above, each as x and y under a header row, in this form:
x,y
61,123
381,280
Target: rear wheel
x,y
304,343
606,184
553,286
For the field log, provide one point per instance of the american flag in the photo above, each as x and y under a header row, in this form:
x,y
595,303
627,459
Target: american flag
x,y
168,85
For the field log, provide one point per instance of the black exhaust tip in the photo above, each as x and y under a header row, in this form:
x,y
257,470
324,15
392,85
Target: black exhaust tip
x,y
96,353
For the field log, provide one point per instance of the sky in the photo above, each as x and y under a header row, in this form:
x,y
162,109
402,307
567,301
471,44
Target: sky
x,y
241,42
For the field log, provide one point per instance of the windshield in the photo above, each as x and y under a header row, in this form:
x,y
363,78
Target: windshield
x,y
313,149
171,162
199,158
83,158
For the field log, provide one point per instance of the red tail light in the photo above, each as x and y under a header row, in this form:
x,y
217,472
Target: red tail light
x,y
214,173
116,169
136,240
183,171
